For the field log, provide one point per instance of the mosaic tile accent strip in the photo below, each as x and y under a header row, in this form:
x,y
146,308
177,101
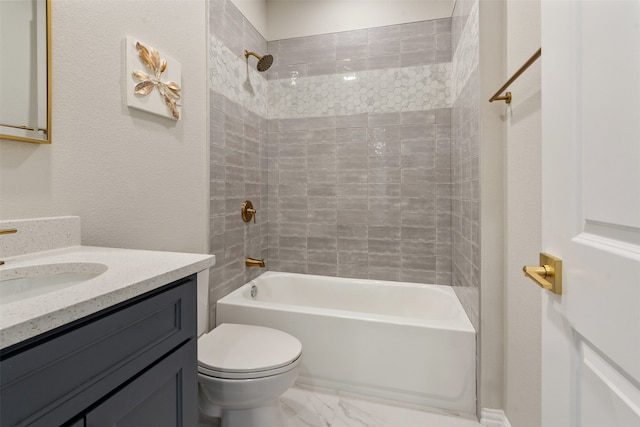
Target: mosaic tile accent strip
x,y
236,79
466,56
423,87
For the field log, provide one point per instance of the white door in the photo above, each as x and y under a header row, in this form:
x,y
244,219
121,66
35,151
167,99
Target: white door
x,y
591,212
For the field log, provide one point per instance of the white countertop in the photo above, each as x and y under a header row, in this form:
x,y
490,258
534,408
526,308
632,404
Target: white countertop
x,y
130,273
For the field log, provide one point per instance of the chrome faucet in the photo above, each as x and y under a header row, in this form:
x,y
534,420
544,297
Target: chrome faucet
x,y
7,231
250,262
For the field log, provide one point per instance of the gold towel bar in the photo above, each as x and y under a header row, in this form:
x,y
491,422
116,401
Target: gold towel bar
x,y
507,97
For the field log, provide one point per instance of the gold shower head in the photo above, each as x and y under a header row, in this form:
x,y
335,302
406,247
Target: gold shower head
x,y
264,62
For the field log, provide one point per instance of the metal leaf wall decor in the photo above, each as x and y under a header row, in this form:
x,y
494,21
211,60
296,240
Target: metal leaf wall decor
x,y
170,91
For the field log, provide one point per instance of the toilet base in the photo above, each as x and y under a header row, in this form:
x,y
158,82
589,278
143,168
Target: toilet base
x,y
268,415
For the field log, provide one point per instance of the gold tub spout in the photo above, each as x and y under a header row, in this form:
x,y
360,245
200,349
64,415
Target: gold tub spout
x,y
250,262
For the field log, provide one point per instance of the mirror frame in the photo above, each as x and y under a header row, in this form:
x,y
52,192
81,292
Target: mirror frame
x,y
46,140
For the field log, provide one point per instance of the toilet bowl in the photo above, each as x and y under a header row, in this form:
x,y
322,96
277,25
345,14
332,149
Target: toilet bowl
x,y
242,372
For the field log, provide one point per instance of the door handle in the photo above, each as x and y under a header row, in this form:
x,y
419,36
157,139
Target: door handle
x,y
548,275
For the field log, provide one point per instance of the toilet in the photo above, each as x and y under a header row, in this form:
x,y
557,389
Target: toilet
x,y
242,372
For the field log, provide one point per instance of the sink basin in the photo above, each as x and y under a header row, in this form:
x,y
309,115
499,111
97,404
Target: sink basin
x,y
26,282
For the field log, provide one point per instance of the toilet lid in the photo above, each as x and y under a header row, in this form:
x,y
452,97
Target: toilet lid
x,y
233,348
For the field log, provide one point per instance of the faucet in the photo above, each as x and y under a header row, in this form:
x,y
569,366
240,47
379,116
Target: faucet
x,y
7,231
250,262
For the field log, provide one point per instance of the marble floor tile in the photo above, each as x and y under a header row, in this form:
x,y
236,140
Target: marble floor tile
x,y
306,407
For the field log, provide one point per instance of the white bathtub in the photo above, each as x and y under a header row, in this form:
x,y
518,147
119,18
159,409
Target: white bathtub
x,y
401,341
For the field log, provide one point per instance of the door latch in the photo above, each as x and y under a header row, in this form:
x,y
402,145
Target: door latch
x,y
548,275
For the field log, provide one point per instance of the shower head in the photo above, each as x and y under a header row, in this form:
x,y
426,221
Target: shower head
x,y
264,62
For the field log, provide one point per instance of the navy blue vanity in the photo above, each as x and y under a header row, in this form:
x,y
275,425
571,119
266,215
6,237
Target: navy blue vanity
x,y
132,364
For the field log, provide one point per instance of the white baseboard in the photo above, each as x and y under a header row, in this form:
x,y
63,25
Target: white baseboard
x,y
493,418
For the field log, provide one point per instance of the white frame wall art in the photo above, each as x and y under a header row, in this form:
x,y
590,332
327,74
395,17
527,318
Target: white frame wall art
x,y
154,80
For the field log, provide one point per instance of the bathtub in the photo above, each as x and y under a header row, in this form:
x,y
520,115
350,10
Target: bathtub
x,y
406,342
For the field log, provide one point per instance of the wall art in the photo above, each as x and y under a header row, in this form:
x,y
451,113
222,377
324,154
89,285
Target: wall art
x,y
154,80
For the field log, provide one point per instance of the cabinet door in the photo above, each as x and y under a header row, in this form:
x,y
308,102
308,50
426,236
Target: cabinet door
x,y
80,363
163,396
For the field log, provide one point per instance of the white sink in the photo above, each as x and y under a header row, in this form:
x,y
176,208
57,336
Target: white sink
x,y
30,281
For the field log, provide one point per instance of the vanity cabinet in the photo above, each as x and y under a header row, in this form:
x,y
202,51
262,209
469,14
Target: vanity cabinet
x,y
133,364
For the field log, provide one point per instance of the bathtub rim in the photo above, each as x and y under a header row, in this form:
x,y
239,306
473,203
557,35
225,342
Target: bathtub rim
x,y
461,323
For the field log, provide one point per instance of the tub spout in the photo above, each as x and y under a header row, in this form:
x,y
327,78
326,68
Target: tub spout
x,y
250,262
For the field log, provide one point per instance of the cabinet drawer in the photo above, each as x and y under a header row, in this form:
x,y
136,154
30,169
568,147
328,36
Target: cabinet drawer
x,y
75,366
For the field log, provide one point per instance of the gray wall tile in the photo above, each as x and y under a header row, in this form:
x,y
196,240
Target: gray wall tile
x,y
464,119
418,43
366,195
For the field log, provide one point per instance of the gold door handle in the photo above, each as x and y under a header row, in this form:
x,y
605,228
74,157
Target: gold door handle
x,y
548,275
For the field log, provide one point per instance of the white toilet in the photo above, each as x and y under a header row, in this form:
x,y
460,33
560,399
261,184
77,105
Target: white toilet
x,y
242,372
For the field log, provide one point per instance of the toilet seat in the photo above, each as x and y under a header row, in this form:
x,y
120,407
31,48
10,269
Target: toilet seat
x,y
234,351
248,374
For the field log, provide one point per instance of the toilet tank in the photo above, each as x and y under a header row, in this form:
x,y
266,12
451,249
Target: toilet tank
x,y
203,301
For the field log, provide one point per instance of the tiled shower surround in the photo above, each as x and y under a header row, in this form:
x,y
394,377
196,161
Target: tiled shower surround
x,y
344,146
465,159
238,159
364,195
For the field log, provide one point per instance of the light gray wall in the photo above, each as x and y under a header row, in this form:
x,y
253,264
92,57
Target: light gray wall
x,y
522,386
477,164
491,37
135,179
288,19
284,19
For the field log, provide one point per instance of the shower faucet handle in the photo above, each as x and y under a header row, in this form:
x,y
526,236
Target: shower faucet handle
x,y
253,213
248,211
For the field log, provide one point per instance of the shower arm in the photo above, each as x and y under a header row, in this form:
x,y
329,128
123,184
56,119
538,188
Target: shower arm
x,y
248,52
264,61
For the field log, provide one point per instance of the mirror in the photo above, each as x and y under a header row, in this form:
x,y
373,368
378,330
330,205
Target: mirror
x,y
25,70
